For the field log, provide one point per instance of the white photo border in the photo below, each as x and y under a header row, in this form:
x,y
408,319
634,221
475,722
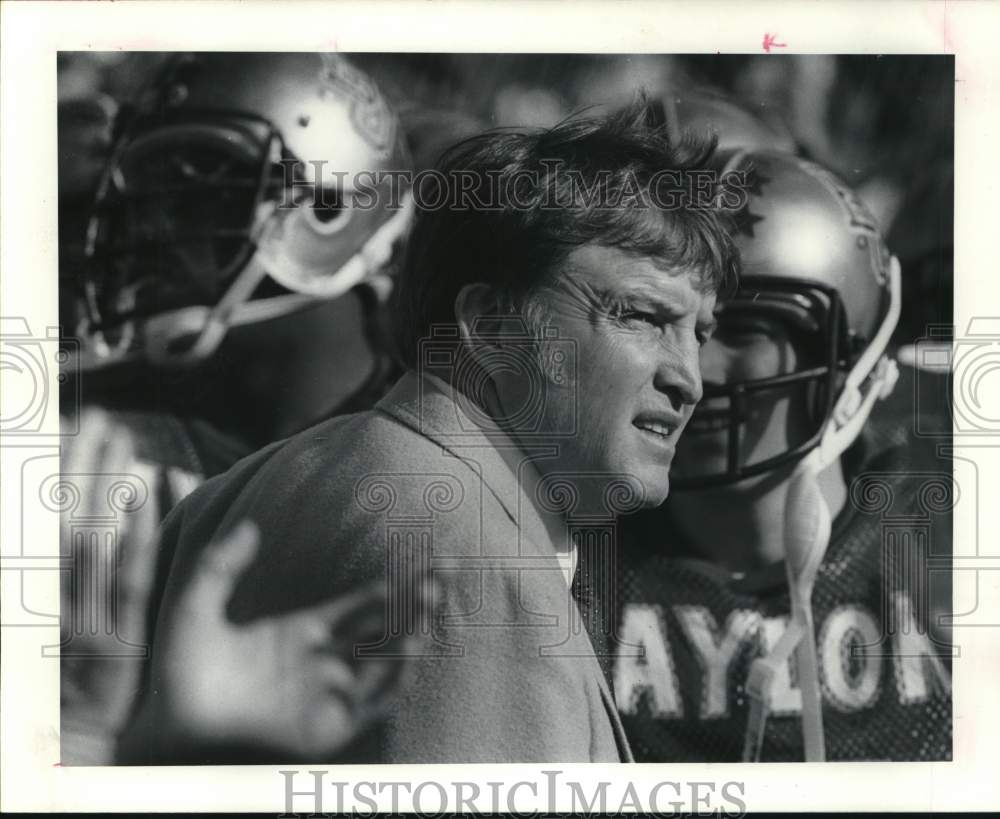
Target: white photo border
x,y
32,34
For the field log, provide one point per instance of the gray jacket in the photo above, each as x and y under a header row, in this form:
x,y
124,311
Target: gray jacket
x,y
505,673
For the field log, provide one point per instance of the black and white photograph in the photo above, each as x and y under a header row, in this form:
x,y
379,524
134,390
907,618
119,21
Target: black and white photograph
x,y
525,407
621,330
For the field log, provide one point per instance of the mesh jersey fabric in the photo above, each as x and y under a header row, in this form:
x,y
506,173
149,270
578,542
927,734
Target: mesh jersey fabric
x,y
886,684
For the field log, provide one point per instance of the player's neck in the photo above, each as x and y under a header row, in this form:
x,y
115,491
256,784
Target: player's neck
x,y
734,526
297,369
741,527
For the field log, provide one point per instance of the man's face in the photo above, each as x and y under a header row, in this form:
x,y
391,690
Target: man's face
x,y
637,329
748,345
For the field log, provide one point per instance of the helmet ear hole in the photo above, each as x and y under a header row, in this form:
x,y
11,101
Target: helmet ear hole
x,y
327,213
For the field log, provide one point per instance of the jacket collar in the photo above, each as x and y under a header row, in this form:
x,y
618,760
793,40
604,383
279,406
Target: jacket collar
x,y
433,408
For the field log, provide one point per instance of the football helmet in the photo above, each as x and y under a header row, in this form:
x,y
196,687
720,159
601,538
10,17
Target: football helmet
x,y
813,260
706,112
241,187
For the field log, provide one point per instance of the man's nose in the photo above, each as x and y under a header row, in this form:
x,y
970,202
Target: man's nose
x,y
679,374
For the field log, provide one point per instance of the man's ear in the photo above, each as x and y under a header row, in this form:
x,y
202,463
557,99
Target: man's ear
x,y
477,314
474,305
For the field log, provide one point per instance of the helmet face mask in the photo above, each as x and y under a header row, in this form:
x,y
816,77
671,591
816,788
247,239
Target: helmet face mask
x,y
175,216
781,343
206,217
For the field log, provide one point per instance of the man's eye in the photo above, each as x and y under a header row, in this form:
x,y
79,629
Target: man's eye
x,y
641,316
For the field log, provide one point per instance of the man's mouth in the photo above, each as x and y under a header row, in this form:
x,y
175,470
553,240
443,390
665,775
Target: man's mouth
x,y
661,428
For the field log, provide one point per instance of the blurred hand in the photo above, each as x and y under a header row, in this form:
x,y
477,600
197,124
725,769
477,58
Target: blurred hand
x,y
282,687
105,593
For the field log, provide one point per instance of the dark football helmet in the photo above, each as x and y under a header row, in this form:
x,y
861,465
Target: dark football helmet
x,y
814,260
232,196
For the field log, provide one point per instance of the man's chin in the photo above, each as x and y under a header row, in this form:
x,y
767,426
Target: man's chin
x,y
655,486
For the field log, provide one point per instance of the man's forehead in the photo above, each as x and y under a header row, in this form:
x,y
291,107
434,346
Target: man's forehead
x,y
613,270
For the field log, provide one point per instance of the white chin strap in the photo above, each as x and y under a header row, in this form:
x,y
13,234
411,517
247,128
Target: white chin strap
x,y
807,536
873,372
159,336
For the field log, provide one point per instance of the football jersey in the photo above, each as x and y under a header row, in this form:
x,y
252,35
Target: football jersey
x,y
688,631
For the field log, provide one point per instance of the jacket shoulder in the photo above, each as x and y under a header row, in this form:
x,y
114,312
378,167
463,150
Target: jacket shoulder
x,y
327,502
